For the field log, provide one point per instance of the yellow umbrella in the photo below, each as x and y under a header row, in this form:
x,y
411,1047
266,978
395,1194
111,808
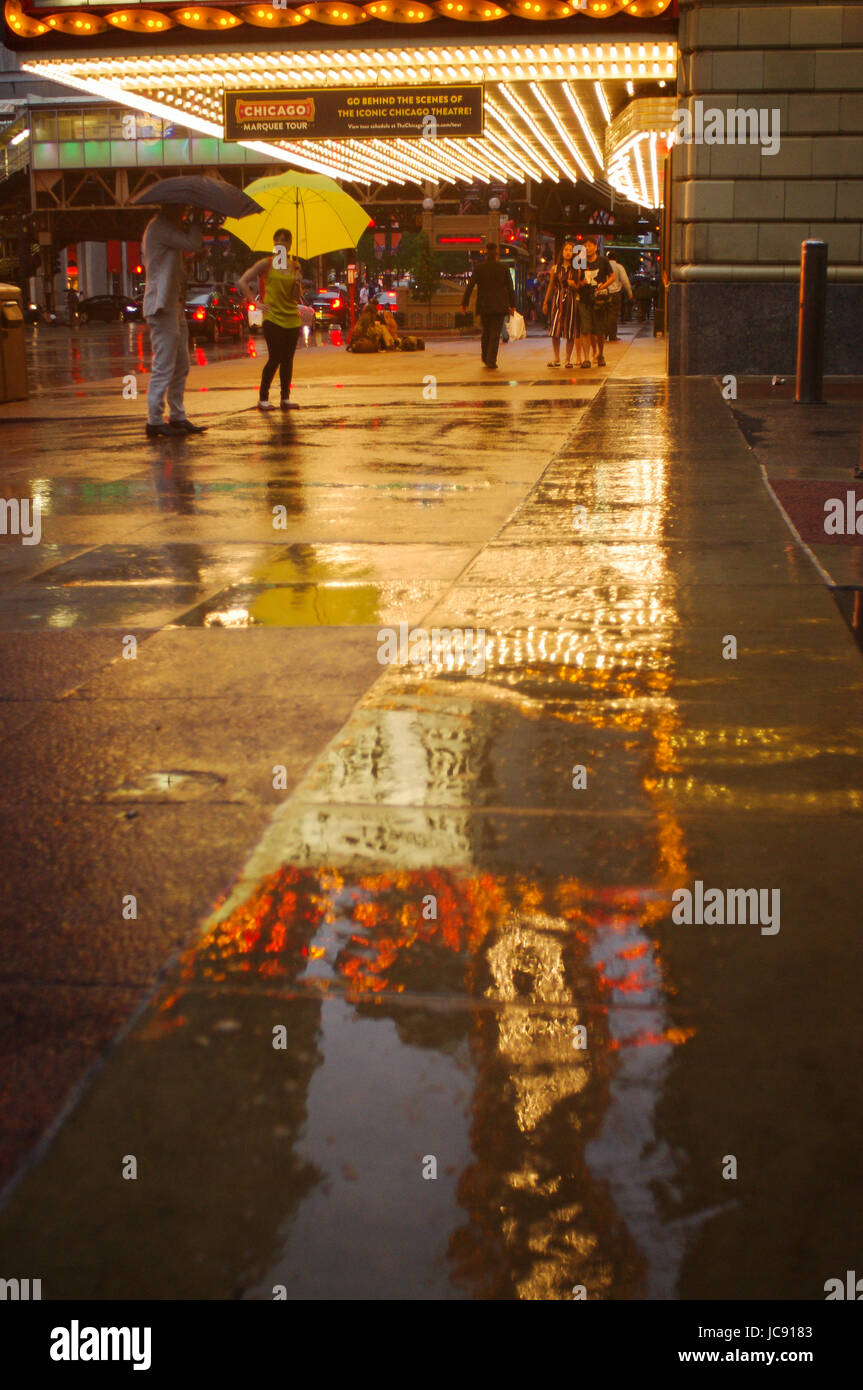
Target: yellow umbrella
x,y
320,216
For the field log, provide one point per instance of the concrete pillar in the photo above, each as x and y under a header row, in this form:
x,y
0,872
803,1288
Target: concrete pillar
x,y
740,212
95,266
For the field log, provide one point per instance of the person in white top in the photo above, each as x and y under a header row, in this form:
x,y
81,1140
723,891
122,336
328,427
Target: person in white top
x,y
617,292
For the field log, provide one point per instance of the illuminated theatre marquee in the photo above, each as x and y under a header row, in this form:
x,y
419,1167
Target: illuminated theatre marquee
x,y
34,18
538,82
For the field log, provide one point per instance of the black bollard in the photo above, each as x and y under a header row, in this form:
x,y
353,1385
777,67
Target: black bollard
x,y
810,324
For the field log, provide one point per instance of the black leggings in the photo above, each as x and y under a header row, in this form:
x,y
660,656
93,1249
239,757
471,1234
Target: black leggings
x,y
281,346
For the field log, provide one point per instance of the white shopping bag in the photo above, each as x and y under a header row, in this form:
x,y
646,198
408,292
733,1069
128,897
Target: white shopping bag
x,y
515,326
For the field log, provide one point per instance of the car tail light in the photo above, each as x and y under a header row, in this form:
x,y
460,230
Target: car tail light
x,y
336,304
200,314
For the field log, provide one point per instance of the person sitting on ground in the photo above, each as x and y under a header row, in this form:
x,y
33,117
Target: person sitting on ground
x,y
366,332
387,321
376,330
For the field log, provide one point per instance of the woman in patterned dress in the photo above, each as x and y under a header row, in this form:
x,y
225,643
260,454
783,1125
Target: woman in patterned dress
x,y
561,304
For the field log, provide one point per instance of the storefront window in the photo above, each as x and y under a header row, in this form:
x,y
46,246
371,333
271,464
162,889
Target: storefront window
x,y
95,125
176,151
123,125
149,127
71,154
123,153
150,152
46,155
44,125
71,125
97,154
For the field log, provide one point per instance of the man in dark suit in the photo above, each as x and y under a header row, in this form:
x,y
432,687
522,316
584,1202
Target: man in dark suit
x,y
494,300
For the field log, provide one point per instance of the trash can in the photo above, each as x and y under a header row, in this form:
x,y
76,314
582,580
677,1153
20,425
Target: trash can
x,y
13,352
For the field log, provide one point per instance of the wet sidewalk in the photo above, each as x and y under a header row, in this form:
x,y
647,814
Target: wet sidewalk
x,y
196,613
441,1037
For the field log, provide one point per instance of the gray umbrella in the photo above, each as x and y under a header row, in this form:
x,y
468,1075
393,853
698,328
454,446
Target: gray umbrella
x,y
196,191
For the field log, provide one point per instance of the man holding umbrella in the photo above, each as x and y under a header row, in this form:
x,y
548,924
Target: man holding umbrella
x,y
163,247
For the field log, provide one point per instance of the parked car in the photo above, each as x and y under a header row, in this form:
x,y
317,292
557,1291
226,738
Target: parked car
x,y
234,295
331,307
213,315
387,299
108,308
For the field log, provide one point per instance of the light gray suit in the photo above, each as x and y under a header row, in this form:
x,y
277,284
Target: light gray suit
x,y
164,309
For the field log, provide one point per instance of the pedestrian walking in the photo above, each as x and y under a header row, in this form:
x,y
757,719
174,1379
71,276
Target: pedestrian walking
x,y
618,294
561,304
644,293
282,292
593,301
163,247
72,305
494,300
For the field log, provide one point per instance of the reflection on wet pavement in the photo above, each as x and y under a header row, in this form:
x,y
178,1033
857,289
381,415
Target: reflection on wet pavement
x,y
448,952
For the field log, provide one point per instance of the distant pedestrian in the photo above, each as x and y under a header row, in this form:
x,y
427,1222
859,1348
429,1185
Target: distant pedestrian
x,y
282,292
618,294
644,293
593,303
494,300
163,247
72,306
561,304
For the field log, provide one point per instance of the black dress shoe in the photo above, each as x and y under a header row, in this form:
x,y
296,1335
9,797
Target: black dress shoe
x,y
169,431
186,427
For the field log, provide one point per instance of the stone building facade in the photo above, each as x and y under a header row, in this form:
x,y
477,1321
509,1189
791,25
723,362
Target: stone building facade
x,y
738,216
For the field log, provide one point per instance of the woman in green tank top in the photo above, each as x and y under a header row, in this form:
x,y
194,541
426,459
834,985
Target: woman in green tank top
x,y
282,293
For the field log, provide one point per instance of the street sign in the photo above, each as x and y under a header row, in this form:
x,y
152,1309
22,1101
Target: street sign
x,y
352,273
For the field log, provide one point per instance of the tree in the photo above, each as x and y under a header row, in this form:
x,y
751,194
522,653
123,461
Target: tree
x,y
366,250
424,266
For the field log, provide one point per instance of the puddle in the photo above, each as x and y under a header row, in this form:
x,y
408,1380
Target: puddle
x,y
175,784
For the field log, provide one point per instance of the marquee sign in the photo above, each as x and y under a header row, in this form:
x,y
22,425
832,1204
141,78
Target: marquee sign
x,y
357,113
84,22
